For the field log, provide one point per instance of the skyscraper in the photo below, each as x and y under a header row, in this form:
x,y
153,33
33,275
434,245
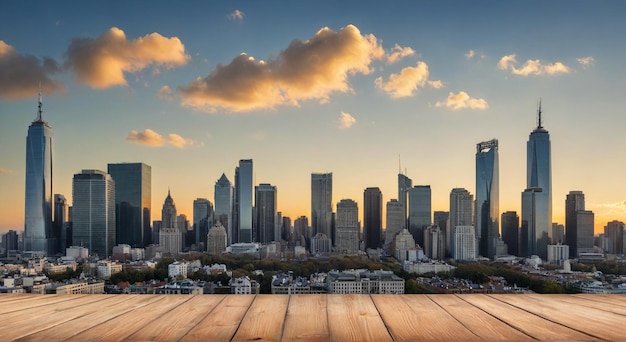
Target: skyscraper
x,y
404,184
538,192
243,200
93,213
133,203
372,217
61,217
170,236
487,197
38,192
321,203
461,214
510,231
420,211
202,220
614,231
584,231
224,205
266,197
574,202
395,220
347,227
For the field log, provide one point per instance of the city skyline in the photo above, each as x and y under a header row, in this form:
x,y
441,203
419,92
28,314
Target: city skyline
x,y
427,85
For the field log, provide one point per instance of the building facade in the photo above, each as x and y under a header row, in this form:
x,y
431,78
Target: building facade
x,y
266,202
347,227
224,205
133,203
404,184
372,218
243,200
93,213
534,238
420,211
321,203
38,234
60,224
574,202
217,239
510,231
395,220
487,210
461,214
202,220
464,243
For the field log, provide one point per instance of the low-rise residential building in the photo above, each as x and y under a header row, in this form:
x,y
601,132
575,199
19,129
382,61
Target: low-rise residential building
x,y
178,269
433,266
79,287
180,287
364,281
244,285
107,268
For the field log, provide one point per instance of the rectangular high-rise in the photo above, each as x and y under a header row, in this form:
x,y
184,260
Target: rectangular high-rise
x,y
243,200
266,199
404,184
395,221
202,221
133,203
372,218
321,203
60,223
38,191
539,175
461,214
93,213
487,211
534,230
347,227
614,231
574,202
420,211
224,206
510,231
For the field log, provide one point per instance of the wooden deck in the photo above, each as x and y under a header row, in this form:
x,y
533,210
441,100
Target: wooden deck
x,y
471,317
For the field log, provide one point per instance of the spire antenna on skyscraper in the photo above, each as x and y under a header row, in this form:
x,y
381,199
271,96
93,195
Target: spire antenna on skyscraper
x,y
40,112
539,115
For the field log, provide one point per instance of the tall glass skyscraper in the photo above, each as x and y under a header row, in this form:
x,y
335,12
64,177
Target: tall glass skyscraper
x,y
93,213
321,203
133,203
38,196
224,205
420,211
461,214
265,204
404,184
243,185
202,221
372,218
539,187
487,198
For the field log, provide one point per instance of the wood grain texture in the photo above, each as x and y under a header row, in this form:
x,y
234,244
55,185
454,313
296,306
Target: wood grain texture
x,y
307,319
264,319
355,318
223,321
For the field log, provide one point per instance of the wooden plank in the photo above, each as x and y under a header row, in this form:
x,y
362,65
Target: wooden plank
x,y
591,302
114,306
530,324
177,322
264,319
307,319
603,298
482,324
35,319
122,326
355,318
221,323
594,322
31,301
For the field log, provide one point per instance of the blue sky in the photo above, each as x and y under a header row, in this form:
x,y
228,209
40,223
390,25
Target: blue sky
x,y
569,53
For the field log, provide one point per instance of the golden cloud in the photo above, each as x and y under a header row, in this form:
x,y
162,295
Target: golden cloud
x,y
398,53
462,100
346,120
20,75
146,137
469,54
102,62
407,82
236,15
532,67
178,141
309,69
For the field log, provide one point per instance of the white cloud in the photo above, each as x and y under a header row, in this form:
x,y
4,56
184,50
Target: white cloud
x,y
532,67
236,15
178,141
310,69
586,61
20,75
346,120
407,82
398,53
165,93
102,62
469,54
462,100
146,137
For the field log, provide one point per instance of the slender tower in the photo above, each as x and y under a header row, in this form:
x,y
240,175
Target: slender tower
x,y
38,196
487,215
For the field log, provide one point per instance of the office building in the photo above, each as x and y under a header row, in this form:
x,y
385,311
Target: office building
x,y
38,190
395,220
170,236
301,229
539,175
372,218
584,232
510,231
93,213
420,211
461,214
202,220
574,202
434,243
133,203
558,234
60,224
243,201
320,244
534,229
321,203
487,211
286,229
10,241
404,184
558,253
347,227
403,246
266,199
614,232
464,243
216,239
224,205
441,218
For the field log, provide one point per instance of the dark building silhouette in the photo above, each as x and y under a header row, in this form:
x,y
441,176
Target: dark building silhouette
x,y
372,217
